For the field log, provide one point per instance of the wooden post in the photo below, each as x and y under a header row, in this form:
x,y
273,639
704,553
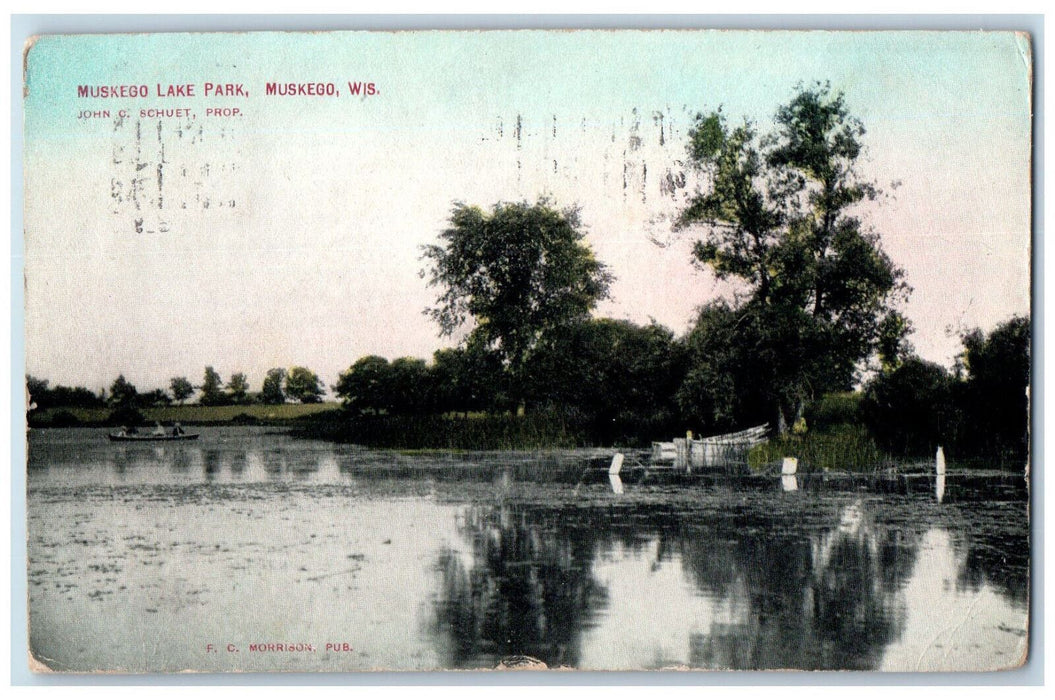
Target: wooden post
x,y
697,454
681,453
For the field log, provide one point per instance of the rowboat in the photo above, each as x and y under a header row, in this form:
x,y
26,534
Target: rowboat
x,y
118,437
728,449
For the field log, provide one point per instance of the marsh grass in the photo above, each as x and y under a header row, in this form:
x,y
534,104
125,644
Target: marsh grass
x,y
834,410
450,433
841,447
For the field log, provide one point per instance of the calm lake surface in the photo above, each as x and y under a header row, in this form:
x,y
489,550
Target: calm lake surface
x,y
199,555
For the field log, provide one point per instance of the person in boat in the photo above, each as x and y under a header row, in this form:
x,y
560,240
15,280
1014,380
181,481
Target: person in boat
x,y
159,430
132,430
177,429
122,431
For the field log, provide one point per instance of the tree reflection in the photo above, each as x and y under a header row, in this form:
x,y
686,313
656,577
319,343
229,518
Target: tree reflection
x,y
121,461
181,461
525,589
274,462
239,461
211,464
820,600
995,553
854,614
814,584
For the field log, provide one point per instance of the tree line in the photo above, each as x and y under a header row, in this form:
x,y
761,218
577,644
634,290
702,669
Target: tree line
x,y
297,384
614,376
625,382
816,311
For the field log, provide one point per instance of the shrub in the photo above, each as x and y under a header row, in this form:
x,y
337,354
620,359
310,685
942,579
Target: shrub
x,y
126,415
834,409
910,411
64,419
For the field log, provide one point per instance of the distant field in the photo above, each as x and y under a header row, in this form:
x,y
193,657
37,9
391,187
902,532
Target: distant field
x,y
200,414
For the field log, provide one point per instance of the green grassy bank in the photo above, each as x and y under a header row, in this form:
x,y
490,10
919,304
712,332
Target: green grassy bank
x,y
282,414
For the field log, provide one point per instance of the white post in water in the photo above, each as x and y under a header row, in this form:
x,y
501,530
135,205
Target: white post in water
x,y
939,461
789,466
617,463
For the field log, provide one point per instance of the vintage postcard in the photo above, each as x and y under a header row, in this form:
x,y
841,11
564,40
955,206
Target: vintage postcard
x,y
588,350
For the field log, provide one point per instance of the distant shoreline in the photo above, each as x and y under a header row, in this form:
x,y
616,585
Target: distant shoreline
x,y
191,414
840,447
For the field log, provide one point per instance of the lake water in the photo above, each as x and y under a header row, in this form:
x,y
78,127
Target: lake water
x,y
249,550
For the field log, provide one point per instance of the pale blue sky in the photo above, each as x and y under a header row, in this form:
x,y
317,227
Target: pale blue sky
x,y
317,261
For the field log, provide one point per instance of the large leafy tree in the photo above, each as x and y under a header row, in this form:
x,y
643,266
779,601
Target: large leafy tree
x,y
365,385
993,397
123,393
304,386
909,410
212,389
181,389
125,402
516,273
466,379
238,389
272,391
614,372
779,213
410,389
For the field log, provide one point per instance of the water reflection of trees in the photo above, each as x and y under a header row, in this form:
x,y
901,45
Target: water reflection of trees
x,y
819,598
274,462
526,589
995,552
239,462
856,607
211,464
120,461
181,461
215,462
